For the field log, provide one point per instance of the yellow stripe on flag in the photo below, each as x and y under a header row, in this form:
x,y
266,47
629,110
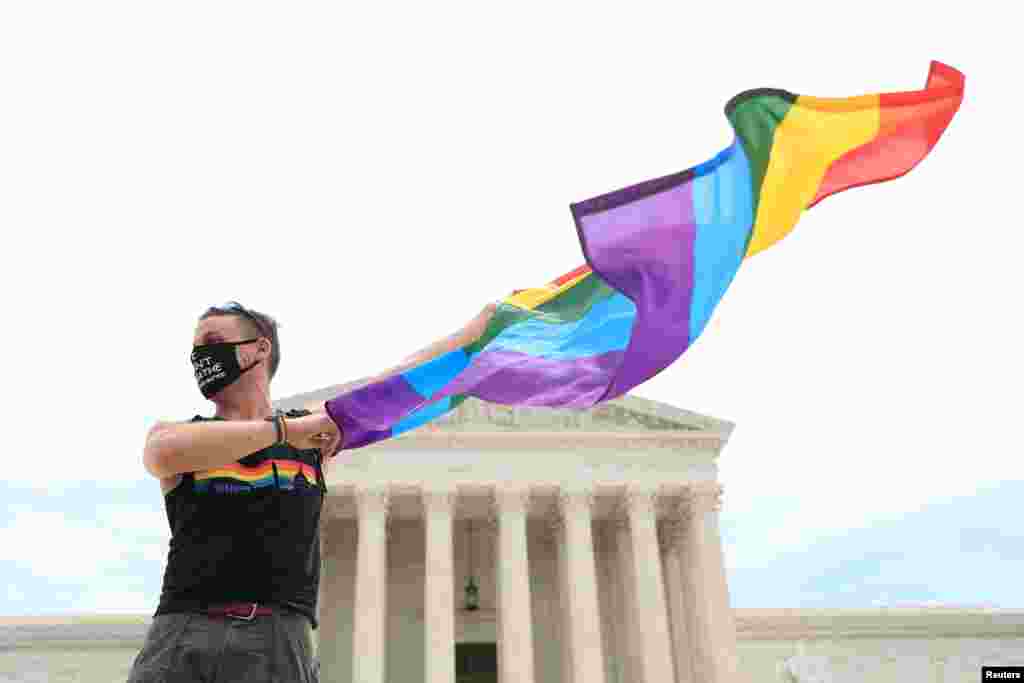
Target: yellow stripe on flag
x,y
531,298
815,132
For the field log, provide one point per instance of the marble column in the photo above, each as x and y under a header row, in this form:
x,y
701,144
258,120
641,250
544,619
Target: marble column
x,y
555,537
629,663
608,598
654,645
439,586
335,600
584,612
705,580
671,532
368,646
516,625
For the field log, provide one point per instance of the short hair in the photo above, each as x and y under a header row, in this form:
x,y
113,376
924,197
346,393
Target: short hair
x,y
258,324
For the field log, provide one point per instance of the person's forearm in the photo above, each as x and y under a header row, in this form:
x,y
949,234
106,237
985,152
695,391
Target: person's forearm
x,y
189,447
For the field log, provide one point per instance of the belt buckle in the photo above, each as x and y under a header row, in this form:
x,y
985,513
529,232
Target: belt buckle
x,y
252,614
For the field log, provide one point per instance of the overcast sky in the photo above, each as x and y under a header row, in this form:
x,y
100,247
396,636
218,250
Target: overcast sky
x,y
373,175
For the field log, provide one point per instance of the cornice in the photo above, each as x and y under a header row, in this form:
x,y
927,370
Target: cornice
x,y
439,439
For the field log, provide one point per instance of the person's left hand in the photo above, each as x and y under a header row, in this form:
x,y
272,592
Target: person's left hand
x,y
476,327
315,431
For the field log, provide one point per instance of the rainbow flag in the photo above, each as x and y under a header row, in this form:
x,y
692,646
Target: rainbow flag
x,y
659,256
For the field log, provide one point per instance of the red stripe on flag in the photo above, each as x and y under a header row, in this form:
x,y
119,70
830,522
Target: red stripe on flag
x,y
571,275
911,123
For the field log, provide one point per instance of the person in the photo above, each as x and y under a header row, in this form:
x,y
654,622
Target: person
x,y
243,492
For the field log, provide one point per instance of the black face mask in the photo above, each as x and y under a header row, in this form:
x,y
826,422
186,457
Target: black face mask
x,y
216,365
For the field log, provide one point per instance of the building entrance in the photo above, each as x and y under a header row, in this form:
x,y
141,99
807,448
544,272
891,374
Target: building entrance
x,y
476,663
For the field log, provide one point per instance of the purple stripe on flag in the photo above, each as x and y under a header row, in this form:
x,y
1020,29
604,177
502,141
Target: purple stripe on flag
x,y
367,414
512,377
640,241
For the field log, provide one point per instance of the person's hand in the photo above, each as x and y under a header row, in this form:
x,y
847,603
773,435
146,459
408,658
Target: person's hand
x,y
476,327
315,431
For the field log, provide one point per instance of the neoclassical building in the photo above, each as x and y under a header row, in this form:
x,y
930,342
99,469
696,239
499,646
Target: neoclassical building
x,y
529,545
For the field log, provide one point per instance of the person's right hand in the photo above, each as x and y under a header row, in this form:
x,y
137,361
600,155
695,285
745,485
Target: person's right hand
x,y
314,431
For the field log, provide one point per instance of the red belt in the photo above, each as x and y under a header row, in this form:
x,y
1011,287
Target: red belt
x,y
239,610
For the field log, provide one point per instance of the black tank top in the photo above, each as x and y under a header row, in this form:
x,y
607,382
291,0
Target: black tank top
x,y
247,532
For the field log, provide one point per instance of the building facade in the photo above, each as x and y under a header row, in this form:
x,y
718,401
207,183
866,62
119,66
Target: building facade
x,y
543,546
529,545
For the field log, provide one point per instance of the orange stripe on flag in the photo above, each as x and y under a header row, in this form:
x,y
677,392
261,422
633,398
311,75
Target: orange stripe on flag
x,y
531,298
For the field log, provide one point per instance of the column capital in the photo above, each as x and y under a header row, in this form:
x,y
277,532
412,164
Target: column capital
x,y
703,497
438,499
618,517
373,500
639,500
514,500
677,509
634,500
553,524
575,500
489,522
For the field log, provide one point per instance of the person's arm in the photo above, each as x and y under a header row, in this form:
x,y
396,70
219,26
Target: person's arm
x,y
330,430
422,356
438,348
467,335
176,447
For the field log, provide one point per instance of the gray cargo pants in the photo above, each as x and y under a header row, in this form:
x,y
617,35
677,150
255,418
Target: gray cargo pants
x,y
194,648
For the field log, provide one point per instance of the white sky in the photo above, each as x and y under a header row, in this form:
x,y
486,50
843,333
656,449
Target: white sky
x,y
373,175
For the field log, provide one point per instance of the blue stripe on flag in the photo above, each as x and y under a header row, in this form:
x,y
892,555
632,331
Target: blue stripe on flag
x,y
606,327
422,416
723,208
436,374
